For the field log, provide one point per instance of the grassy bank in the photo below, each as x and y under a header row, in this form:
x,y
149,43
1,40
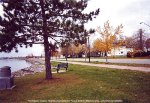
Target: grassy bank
x,y
82,83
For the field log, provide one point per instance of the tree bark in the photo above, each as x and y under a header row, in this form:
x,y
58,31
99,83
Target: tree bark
x,y
47,60
106,57
48,74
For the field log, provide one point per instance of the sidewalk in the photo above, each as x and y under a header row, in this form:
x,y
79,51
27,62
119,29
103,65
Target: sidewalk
x,y
143,69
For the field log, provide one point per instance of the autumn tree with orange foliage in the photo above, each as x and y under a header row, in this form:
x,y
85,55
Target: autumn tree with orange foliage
x,y
55,54
108,38
73,50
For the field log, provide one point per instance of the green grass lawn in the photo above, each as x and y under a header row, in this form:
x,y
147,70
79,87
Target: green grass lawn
x,y
82,83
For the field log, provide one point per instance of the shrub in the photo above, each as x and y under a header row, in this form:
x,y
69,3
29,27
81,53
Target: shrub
x,y
138,53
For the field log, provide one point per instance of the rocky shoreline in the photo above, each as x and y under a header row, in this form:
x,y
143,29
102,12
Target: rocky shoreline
x,y
37,65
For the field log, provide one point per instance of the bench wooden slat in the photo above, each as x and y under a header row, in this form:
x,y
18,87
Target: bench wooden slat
x,y
62,65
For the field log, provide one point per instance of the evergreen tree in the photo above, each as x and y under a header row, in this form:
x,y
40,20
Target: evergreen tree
x,y
28,22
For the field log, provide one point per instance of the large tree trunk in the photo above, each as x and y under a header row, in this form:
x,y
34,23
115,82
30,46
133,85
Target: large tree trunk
x,y
46,45
47,60
106,56
66,55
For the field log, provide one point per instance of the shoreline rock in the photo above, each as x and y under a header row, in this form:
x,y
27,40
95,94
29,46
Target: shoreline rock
x,y
37,65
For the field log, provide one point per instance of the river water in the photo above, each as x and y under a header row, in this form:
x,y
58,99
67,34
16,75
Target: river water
x,y
15,64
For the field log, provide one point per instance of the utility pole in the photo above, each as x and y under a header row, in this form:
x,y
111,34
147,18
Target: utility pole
x,y
89,48
141,39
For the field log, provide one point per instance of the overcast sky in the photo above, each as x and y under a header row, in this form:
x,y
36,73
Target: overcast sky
x,y
127,12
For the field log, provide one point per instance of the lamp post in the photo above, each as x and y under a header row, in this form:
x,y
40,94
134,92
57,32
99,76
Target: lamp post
x,y
89,48
88,45
144,24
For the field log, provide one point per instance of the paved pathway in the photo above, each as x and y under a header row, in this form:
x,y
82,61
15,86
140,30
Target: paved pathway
x,y
143,69
126,60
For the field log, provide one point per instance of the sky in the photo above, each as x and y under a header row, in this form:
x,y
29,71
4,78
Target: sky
x,y
129,13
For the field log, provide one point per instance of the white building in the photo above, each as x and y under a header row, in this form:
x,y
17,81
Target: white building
x,y
120,51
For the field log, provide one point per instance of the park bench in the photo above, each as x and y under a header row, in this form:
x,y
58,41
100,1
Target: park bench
x,y
61,65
